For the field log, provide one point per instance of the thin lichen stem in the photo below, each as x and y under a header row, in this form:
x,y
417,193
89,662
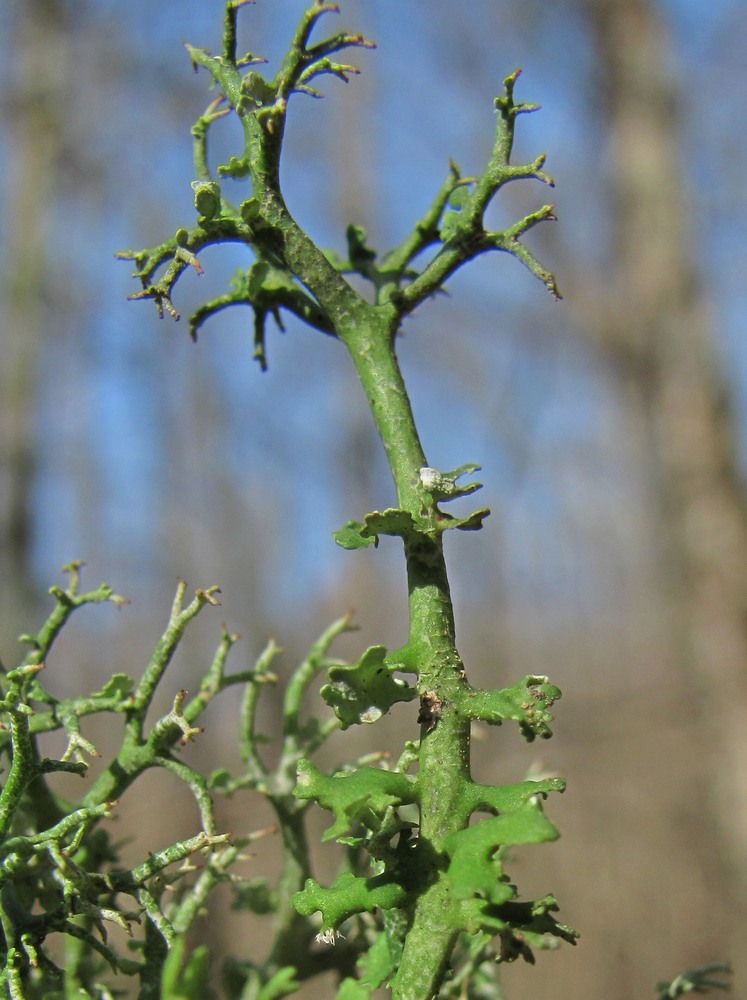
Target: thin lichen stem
x,y
371,348
423,886
444,754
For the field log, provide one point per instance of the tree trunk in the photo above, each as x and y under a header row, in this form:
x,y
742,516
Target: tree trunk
x,y
33,126
657,334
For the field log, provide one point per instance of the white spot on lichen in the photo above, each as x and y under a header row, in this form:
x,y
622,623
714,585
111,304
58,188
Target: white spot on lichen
x,y
328,937
372,714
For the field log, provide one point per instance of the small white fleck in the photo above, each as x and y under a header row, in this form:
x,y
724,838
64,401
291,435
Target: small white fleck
x,y
328,937
372,714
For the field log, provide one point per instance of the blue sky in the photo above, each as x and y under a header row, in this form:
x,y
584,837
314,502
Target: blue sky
x,y
494,370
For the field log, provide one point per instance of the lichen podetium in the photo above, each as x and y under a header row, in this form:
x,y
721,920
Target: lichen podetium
x,y
434,905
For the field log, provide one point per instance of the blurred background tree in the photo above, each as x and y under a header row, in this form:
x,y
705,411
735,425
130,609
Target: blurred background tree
x,y
610,428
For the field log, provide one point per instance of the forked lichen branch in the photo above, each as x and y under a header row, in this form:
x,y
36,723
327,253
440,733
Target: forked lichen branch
x,y
435,874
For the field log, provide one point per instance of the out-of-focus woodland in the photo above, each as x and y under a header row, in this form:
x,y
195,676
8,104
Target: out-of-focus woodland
x,y
610,427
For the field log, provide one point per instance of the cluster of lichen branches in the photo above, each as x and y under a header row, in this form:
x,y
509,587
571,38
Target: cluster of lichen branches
x,y
60,875
440,876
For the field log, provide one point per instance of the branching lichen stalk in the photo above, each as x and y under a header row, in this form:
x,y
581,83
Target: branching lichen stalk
x,y
448,878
